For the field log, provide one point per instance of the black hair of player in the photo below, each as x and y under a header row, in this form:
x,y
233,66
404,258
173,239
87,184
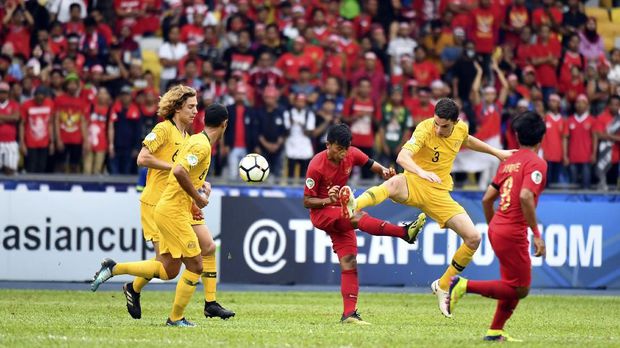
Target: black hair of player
x,y
530,128
613,97
339,134
215,115
447,109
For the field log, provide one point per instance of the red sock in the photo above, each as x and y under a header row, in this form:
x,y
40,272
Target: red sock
x,y
502,313
349,287
378,227
496,289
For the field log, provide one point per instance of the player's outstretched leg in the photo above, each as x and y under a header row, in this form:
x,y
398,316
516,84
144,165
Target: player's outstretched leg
x,y
377,227
146,269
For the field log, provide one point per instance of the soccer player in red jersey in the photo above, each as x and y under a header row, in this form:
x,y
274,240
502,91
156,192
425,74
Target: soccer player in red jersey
x,y
519,182
326,178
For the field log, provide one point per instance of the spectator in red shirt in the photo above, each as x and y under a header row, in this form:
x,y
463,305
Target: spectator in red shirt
x,y
194,31
18,22
580,143
71,127
544,56
100,133
57,40
608,137
335,62
573,87
127,12
523,48
264,75
290,63
102,27
36,131
548,14
9,119
421,108
517,17
484,30
75,24
363,114
424,70
239,137
241,56
553,152
371,72
570,58
127,132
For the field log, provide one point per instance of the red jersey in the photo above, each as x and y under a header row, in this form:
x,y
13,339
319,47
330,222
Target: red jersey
x,y
522,54
545,73
8,131
36,120
539,16
334,65
323,174
316,55
523,170
489,121
98,127
290,64
19,37
602,122
192,32
517,18
425,73
71,112
484,29
420,113
74,28
552,142
57,44
364,113
570,60
579,132
572,88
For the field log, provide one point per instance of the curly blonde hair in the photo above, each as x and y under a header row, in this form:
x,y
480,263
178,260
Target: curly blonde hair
x,y
173,100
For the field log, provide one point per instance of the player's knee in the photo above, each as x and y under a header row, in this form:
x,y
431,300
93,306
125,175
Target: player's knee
x,y
355,219
348,262
172,271
473,241
208,250
522,292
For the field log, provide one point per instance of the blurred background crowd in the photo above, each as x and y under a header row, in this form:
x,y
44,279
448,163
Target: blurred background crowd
x,y
80,79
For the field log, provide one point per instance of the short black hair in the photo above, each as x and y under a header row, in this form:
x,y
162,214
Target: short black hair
x,y
446,108
612,98
74,5
215,115
339,134
530,128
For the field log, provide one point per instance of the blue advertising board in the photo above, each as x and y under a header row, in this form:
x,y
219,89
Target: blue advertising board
x,y
273,242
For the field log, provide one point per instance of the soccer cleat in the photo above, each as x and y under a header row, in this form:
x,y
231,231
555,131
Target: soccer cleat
x,y
180,323
133,301
499,336
104,273
347,202
442,298
353,318
414,228
214,309
458,288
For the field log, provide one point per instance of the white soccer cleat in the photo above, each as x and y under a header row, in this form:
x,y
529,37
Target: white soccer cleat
x,y
347,201
442,298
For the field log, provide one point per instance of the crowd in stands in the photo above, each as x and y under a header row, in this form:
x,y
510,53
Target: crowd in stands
x,y
80,79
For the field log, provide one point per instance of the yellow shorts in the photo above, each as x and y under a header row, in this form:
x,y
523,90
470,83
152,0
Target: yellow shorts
x,y
149,228
436,203
177,236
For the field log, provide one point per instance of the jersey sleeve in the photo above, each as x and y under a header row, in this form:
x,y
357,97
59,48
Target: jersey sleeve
x,y
156,138
359,158
418,139
313,178
192,154
535,176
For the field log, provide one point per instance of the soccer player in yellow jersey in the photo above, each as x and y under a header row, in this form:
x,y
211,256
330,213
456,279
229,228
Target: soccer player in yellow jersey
x,y
179,243
427,160
159,151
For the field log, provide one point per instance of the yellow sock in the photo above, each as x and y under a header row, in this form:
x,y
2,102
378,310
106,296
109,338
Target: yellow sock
x,y
185,289
139,282
146,269
209,277
462,257
371,197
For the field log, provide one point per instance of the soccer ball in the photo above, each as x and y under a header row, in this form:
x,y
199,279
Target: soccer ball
x,y
253,168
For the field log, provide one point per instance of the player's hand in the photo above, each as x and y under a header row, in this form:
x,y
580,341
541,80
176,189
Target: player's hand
x,y
333,193
206,188
202,200
387,173
539,247
504,154
430,176
197,212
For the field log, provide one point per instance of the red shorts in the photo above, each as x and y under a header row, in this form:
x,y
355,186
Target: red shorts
x,y
339,229
515,265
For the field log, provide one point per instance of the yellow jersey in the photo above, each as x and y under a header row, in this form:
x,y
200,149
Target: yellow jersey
x,y
434,153
164,142
195,157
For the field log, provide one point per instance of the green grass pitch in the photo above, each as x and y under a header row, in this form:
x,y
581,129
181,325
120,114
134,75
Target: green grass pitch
x,y
35,318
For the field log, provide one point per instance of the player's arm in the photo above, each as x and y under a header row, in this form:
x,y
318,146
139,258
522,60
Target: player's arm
x,y
478,145
147,159
316,202
151,143
185,182
380,170
528,207
405,160
488,202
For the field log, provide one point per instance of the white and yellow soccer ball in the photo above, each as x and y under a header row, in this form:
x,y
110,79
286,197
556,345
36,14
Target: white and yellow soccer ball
x,y
253,168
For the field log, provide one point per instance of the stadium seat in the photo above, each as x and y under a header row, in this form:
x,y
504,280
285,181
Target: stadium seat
x,y
608,29
601,14
608,43
150,43
605,4
615,15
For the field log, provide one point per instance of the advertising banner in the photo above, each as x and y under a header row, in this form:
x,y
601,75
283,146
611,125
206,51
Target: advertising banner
x,y
272,241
